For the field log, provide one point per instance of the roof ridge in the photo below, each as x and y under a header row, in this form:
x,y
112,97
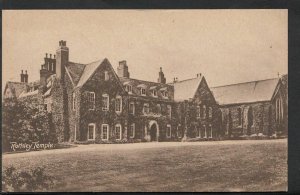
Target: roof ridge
x,y
244,82
77,63
95,61
187,79
144,80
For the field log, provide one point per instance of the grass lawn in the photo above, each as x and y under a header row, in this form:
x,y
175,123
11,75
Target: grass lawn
x,y
241,165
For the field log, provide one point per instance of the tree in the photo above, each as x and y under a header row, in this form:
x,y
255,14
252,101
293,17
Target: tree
x,y
23,122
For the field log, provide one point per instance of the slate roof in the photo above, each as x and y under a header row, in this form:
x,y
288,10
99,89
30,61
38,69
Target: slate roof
x,y
75,70
186,89
16,87
135,83
80,73
254,91
30,93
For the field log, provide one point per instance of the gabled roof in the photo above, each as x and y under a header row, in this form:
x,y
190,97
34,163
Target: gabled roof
x,y
31,93
135,83
88,71
16,87
186,89
254,91
75,71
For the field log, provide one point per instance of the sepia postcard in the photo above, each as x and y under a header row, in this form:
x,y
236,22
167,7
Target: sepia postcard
x,y
145,100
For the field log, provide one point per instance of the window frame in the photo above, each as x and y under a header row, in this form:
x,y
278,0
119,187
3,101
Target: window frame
x,y
120,134
154,93
89,93
164,93
141,89
132,129
210,129
239,116
148,108
127,87
210,112
204,112
120,104
105,95
107,133
133,108
94,131
198,114
169,130
106,75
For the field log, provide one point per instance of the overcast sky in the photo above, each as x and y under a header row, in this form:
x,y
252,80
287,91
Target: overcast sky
x,y
226,46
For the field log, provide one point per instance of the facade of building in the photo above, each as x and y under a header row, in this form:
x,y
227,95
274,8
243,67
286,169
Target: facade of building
x,y
253,108
93,103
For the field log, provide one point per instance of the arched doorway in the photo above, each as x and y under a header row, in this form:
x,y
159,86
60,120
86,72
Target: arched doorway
x,y
154,131
250,120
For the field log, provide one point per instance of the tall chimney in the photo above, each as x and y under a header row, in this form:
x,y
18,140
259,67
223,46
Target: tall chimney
x,y
62,59
122,69
44,75
22,77
161,77
25,77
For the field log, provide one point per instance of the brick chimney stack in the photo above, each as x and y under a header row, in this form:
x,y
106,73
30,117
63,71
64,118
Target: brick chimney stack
x,y
22,76
62,59
161,77
122,69
25,77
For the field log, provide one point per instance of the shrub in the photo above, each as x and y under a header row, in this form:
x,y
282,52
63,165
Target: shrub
x,y
33,180
25,123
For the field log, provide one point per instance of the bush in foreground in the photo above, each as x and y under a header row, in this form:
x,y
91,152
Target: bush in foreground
x,y
26,181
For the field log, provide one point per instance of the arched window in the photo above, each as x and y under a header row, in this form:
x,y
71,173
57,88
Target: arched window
x,y
250,120
204,111
210,112
239,116
106,75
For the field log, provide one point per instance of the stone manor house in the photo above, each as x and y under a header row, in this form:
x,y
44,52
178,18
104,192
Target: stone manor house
x,y
93,102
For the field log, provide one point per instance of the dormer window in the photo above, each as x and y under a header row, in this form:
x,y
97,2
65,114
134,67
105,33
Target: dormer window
x,y
142,88
143,91
128,88
153,91
164,92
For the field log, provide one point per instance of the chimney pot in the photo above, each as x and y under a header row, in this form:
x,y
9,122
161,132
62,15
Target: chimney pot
x,y
22,72
46,55
50,55
25,71
54,56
